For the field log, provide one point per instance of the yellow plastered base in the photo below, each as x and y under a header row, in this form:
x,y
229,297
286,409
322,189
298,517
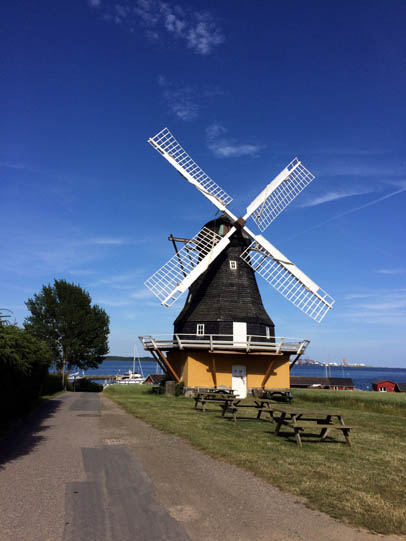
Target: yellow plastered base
x,y
195,368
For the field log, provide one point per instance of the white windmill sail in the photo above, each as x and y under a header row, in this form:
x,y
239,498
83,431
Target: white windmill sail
x,y
179,273
165,143
287,278
279,193
172,279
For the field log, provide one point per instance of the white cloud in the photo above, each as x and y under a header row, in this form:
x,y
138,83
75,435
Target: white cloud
x,y
81,272
359,296
112,303
391,271
385,307
204,36
141,294
214,131
350,211
179,99
229,150
226,147
198,30
363,170
106,241
333,196
119,281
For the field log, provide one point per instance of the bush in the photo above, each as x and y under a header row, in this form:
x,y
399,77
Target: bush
x,y
24,362
180,388
85,385
52,384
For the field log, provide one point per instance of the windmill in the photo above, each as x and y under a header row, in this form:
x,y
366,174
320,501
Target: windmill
x,y
202,265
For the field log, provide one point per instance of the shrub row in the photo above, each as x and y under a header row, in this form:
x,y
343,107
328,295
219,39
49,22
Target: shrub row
x,y
24,362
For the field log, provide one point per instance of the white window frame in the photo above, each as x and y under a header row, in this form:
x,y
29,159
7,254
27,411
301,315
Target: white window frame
x,y
200,329
268,332
383,389
233,264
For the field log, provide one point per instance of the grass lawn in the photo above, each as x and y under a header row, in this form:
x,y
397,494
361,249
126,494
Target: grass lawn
x,y
363,485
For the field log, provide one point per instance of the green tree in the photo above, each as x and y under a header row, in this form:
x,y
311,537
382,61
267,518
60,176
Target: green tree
x,y
75,331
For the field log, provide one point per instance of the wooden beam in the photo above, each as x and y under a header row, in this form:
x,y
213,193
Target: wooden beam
x,y
213,370
295,359
172,238
268,372
158,360
168,365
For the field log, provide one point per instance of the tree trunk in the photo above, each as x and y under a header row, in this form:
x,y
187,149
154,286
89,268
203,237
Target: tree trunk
x,y
63,373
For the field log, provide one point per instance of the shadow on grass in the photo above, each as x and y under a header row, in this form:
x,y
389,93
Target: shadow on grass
x,y
28,433
308,438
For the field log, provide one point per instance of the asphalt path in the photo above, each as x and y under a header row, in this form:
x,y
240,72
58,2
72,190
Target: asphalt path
x,y
80,468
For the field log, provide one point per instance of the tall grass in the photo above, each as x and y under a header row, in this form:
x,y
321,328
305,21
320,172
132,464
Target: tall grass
x,y
374,402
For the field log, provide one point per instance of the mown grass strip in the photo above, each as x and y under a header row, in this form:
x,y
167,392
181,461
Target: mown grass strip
x,y
364,485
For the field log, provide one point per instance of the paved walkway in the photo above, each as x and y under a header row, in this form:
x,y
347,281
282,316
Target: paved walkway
x,y
82,469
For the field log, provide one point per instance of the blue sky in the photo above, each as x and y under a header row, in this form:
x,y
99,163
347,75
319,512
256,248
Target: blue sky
x,y
245,87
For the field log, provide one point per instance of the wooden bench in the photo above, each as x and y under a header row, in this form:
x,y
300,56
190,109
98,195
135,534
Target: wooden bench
x,y
234,408
212,398
299,426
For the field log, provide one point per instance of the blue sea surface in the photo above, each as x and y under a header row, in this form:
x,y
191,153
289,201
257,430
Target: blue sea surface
x,y
361,376
112,368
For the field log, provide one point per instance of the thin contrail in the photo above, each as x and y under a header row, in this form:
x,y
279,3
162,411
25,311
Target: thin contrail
x,y
349,212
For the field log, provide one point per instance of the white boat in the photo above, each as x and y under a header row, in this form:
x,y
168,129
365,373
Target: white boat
x,y
129,378
76,376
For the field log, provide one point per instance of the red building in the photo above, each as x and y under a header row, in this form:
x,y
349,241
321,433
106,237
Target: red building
x,y
383,386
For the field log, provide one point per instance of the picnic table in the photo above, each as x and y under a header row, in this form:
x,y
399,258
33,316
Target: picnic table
x,y
214,396
278,395
300,419
260,404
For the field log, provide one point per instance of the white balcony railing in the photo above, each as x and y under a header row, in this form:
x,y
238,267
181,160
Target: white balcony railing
x,y
218,342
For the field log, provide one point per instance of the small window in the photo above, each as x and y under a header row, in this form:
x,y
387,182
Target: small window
x,y
200,329
233,265
335,388
383,389
268,332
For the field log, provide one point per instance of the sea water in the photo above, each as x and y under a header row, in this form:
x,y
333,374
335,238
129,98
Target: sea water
x,y
361,376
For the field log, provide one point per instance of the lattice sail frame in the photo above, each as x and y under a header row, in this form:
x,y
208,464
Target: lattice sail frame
x,y
279,193
165,143
172,279
167,283
292,283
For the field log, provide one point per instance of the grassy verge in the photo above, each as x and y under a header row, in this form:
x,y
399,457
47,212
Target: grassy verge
x,y
364,485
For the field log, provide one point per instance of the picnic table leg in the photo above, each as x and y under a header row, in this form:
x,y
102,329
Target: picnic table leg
x,y
196,401
346,432
297,436
279,423
324,431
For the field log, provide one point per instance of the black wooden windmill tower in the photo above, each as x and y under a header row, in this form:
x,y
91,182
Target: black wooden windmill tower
x,y
223,335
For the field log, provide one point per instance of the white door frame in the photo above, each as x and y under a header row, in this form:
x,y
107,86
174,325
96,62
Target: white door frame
x,y
239,333
239,380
